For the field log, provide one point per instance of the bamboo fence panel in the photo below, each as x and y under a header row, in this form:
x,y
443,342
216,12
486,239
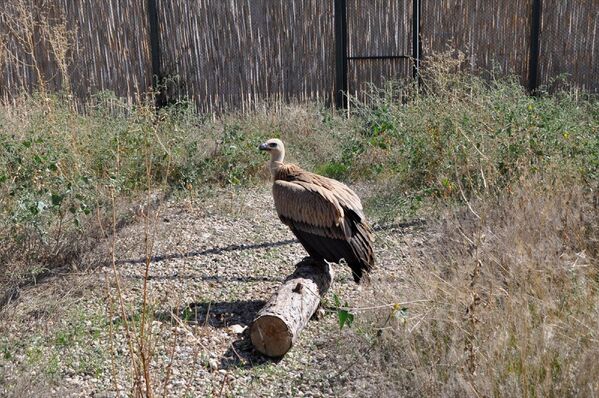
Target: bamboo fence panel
x,y
570,42
494,34
378,28
84,45
24,59
112,50
234,53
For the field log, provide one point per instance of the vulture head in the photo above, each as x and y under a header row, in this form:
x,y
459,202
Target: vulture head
x,y
276,149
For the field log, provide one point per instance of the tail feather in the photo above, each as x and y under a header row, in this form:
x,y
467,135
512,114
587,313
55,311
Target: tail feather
x,y
357,252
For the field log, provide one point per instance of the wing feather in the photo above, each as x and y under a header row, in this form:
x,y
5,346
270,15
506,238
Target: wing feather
x,y
344,195
305,203
326,216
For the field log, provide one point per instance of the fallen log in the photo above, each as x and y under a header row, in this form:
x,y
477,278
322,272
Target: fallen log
x,y
279,322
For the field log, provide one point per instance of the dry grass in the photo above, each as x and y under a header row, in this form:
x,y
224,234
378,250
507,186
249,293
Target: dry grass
x,y
504,301
511,303
60,167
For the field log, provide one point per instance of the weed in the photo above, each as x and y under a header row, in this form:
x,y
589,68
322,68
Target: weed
x,y
463,136
516,272
509,302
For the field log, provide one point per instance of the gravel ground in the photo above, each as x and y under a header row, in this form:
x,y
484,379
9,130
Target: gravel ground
x,y
215,262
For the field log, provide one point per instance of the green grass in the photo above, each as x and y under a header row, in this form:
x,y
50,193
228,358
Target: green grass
x,y
455,137
526,166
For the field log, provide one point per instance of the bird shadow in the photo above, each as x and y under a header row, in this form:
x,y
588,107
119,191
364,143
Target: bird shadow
x,y
222,315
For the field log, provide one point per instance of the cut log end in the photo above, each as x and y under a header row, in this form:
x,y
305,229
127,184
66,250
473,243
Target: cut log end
x,y
279,322
271,336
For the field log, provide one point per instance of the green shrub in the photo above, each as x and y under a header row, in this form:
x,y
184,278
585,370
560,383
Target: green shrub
x,y
454,137
460,135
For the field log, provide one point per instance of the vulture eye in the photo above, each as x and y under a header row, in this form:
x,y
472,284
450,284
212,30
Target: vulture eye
x,y
272,145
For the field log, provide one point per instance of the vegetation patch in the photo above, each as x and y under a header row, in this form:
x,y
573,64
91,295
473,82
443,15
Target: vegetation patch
x,y
500,300
503,303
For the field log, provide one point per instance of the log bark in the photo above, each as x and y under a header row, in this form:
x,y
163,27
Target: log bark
x,y
278,324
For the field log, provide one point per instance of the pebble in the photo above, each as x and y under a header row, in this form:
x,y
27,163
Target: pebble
x,y
210,266
213,363
237,329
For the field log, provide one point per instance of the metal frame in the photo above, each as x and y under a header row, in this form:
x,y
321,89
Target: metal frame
x,y
155,52
535,33
416,44
340,53
341,58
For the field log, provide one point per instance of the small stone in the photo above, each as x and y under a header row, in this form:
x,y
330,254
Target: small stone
x,y
213,363
237,329
319,314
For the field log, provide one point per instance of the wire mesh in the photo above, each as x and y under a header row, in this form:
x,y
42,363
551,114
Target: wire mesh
x,y
569,43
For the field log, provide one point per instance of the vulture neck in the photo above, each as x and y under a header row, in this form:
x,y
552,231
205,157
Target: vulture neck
x,y
276,161
274,167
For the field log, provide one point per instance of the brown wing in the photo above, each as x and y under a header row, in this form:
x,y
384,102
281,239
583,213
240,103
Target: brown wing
x,y
327,219
344,195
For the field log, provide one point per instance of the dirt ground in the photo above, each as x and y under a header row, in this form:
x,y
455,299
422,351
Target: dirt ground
x,y
215,263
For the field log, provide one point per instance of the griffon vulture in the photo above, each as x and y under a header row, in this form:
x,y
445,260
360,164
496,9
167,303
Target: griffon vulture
x,y
324,214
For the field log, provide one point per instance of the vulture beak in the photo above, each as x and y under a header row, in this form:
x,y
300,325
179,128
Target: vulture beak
x,y
263,147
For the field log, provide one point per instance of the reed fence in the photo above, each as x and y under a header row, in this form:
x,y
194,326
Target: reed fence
x,y
230,54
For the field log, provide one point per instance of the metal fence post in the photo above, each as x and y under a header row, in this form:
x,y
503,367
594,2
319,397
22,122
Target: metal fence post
x,y
340,53
155,53
535,32
416,45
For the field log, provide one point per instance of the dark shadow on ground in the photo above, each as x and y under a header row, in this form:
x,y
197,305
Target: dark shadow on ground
x,y
216,314
214,250
209,278
262,245
241,353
